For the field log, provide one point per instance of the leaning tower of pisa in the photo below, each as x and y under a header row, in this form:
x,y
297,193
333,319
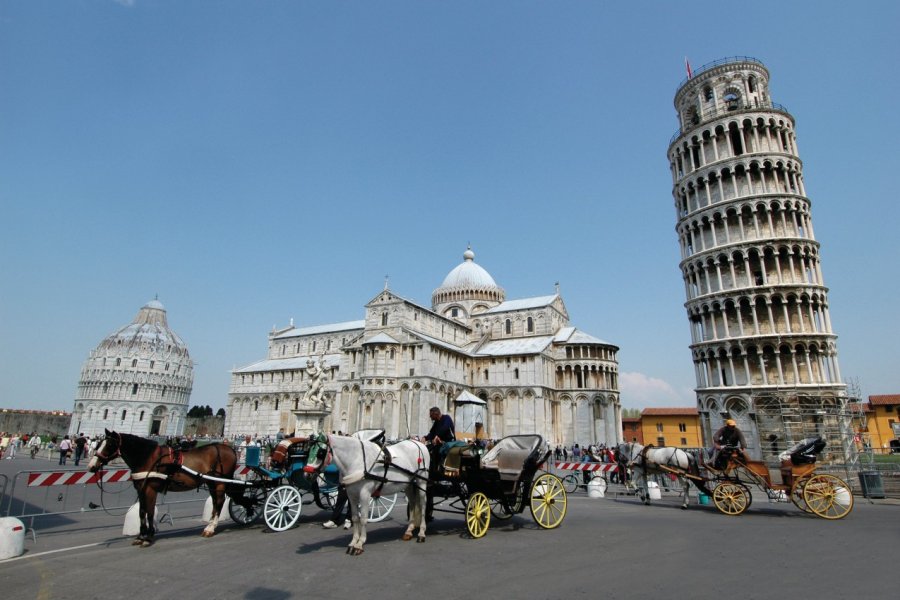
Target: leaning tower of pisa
x,y
762,342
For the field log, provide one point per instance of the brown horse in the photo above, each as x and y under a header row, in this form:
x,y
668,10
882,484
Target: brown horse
x,y
156,469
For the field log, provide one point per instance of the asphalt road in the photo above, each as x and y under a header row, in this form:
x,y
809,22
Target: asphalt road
x,y
611,547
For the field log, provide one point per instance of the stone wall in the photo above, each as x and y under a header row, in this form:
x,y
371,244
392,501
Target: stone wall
x,y
200,426
47,424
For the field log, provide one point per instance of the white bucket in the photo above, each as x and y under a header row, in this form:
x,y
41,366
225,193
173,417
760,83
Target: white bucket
x,y
132,525
12,538
596,488
653,488
208,508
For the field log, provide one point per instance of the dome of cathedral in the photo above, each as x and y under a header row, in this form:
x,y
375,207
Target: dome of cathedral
x,y
467,281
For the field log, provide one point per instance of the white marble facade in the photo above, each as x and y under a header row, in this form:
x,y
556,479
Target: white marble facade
x,y
535,372
138,380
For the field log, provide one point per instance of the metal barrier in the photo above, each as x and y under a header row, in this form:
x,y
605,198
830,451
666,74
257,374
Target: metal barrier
x,y
38,494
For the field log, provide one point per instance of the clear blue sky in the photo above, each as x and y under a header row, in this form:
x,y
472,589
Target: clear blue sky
x,y
253,162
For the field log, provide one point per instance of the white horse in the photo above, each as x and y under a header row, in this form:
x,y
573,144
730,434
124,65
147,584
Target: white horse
x,y
366,467
653,461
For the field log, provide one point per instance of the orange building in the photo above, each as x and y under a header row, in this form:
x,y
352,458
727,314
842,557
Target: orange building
x,y
631,430
679,427
883,420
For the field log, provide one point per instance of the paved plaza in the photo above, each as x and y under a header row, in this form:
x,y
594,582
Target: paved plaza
x,y
612,547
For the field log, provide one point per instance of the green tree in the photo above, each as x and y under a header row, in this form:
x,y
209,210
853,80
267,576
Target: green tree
x,y
220,412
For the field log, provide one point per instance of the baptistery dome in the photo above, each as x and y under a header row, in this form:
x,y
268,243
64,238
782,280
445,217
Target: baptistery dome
x,y
468,288
137,380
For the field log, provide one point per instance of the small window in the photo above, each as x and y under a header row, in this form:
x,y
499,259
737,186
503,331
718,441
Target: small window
x,y
659,427
105,413
152,363
256,405
141,416
508,326
486,375
454,312
660,441
412,372
276,403
383,319
118,362
707,94
164,391
682,427
684,441
134,389
133,363
124,412
516,373
530,325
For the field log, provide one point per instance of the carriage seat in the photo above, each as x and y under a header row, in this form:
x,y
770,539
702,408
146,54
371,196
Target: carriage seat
x,y
508,456
456,451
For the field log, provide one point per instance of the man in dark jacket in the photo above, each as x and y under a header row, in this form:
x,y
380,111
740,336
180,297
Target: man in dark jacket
x,y
442,431
729,437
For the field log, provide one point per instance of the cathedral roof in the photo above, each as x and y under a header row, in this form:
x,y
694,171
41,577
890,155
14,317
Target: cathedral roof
x,y
317,329
571,335
293,363
523,304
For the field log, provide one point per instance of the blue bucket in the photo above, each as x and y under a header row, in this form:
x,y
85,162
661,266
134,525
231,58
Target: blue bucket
x,y
704,499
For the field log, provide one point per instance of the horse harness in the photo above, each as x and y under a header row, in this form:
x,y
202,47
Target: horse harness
x,y
385,459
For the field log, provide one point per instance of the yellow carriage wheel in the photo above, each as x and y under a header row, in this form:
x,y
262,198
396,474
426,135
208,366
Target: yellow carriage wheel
x,y
478,514
797,495
548,501
828,496
731,498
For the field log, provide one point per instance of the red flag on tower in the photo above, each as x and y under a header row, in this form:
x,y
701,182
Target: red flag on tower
x,y
687,65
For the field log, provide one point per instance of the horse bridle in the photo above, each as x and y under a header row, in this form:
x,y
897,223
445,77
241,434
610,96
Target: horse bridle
x,y
104,458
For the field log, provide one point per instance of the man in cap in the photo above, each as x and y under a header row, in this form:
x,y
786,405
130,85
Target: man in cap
x,y
730,438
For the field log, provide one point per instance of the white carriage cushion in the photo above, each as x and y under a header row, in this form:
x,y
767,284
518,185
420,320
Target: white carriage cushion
x,y
509,454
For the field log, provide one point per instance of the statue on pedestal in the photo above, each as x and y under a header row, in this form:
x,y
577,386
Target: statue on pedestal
x,y
316,372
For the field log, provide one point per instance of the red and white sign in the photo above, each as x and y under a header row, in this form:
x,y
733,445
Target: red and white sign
x,y
587,466
77,477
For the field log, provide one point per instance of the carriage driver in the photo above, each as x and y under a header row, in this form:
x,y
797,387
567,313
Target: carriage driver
x,y
727,436
442,431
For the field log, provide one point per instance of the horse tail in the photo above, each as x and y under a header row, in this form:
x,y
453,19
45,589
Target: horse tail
x,y
694,469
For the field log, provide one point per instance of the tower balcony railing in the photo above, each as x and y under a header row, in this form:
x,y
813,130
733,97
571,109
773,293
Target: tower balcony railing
x,y
730,60
729,108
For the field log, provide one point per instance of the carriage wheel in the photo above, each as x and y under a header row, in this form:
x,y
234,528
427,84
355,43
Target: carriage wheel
x,y
828,496
503,511
797,495
731,498
283,507
254,498
325,493
478,514
380,508
548,501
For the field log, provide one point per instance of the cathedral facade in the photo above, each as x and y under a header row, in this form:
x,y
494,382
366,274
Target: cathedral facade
x,y
138,380
521,360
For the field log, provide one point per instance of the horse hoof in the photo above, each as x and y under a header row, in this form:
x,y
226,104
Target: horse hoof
x,y
406,537
349,549
207,534
137,542
356,551
146,543
420,539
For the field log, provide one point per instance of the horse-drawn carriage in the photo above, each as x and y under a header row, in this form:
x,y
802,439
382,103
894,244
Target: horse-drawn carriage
x,y
278,492
480,484
821,494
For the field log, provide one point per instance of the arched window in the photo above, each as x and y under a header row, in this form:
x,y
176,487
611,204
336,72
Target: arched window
x,y
530,325
134,389
165,388
105,413
124,412
133,363
141,416
383,319
118,362
256,405
508,326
